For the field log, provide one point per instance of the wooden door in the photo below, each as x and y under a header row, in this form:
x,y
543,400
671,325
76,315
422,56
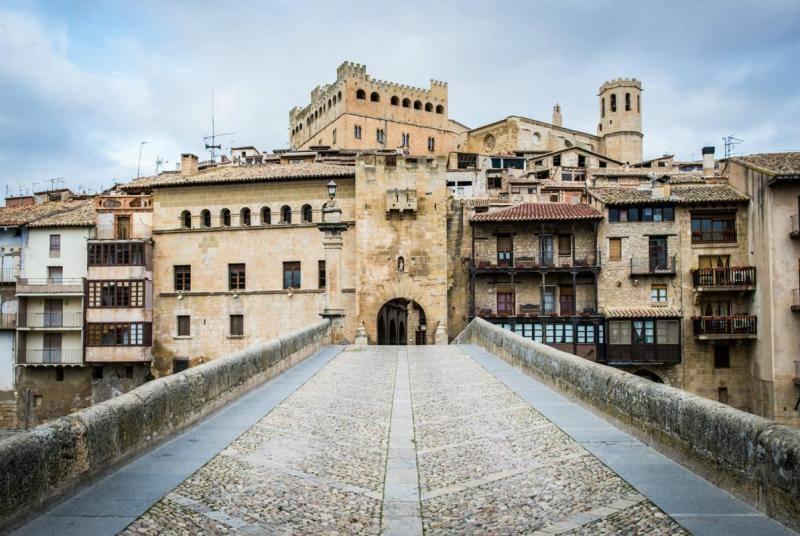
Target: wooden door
x,y
566,301
51,348
123,227
547,250
53,313
658,253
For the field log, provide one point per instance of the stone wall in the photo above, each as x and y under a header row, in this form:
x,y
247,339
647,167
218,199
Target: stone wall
x,y
50,460
753,457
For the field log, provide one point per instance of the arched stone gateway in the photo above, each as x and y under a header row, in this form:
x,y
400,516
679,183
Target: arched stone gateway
x,y
401,321
652,376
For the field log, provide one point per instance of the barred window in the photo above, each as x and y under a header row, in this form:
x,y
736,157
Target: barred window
x,y
116,293
119,334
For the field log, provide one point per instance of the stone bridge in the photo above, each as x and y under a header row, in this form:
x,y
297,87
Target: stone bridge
x,y
392,440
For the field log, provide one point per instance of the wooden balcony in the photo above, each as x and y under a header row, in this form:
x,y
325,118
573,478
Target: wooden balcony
x,y
727,236
49,287
725,327
741,278
529,262
136,231
642,354
656,266
535,310
51,356
52,320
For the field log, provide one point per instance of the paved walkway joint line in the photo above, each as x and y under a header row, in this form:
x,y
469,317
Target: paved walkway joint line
x,y
401,510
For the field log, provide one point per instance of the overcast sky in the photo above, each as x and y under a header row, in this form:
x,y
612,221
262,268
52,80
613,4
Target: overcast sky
x,y
81,84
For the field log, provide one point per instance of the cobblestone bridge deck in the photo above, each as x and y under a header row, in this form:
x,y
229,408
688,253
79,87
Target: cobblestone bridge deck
x,y
401,440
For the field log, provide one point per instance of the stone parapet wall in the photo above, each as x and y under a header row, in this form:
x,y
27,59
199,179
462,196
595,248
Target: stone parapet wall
x,y
48,461
755,458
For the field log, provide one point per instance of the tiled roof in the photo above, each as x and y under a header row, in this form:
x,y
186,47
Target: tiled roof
x,y
651,173
82,215
681,195
777,164
641,312
540,212
248,173
11,216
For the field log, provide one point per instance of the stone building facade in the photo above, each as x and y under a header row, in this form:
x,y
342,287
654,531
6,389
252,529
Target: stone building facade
x,y
357,112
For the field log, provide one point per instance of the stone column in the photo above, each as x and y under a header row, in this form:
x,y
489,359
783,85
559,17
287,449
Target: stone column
x,y
333,228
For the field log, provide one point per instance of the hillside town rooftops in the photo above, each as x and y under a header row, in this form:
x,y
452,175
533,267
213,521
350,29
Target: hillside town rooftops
x,y
779,165
540,212
243,174
26,214
82,215
681,195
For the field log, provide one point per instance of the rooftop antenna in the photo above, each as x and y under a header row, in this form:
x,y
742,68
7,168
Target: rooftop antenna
x,y
139,166
160,164
730,142
214,146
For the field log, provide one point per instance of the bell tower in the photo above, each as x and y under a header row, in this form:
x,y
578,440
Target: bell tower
x,y
620,126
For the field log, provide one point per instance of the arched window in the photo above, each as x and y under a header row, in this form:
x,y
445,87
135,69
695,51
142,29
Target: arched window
x,y
266,216
401,264
186,219
225,217
244,216
613,102
406,103
627,102
339,95
205,218
334,99
417,105
307,214
329,103
395,100
603,107
286,214
428,107
361,94
374,97
439,109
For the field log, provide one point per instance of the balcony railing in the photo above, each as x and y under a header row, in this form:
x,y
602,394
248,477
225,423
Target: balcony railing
x,y
527,261
796,300
47,286
51,320
743,325
8,275
51,356
8,321
795,228
653,265
725,236
534,310
117,232
724,277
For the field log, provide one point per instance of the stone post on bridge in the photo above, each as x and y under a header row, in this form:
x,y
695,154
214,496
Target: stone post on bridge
x,y
333,227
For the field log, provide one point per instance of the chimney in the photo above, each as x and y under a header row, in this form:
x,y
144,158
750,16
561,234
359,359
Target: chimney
x,y
557,115
708,160
188,164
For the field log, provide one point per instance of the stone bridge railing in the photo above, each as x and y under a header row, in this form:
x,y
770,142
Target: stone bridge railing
x,y
37,466
755,458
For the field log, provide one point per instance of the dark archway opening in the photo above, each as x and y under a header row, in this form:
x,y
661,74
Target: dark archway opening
x,y
652,376
402,321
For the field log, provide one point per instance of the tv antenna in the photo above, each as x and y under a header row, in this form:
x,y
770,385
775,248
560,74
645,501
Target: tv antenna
x,y
214,146
160,164
139,165
730,142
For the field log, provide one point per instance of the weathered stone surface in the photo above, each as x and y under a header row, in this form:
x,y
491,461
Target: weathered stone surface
x,y
751,455
36,465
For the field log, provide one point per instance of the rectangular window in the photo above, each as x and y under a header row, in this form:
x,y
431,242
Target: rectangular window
x,y
116,254
538,332
357,132
184,326
494,182
505,250
564,245
505,303
643,331
658,293
236,277
55,246
614,249
557,160
619,332
291,275
431,144
613,214
581,160
183,278
237,325
722,394
549,300
322,277
713,228
119,334
380,135
125,293
55,274
722,356
668,332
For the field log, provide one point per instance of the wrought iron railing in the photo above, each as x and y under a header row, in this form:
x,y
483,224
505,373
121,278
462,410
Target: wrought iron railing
x,y
51,356
724,277
122,232
8,275
653,265
50,320
521,260
725,325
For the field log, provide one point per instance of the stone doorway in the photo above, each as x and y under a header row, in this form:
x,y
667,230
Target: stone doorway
x,y
402,321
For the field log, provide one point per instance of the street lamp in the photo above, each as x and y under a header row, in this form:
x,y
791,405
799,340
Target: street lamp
x,y
331,189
